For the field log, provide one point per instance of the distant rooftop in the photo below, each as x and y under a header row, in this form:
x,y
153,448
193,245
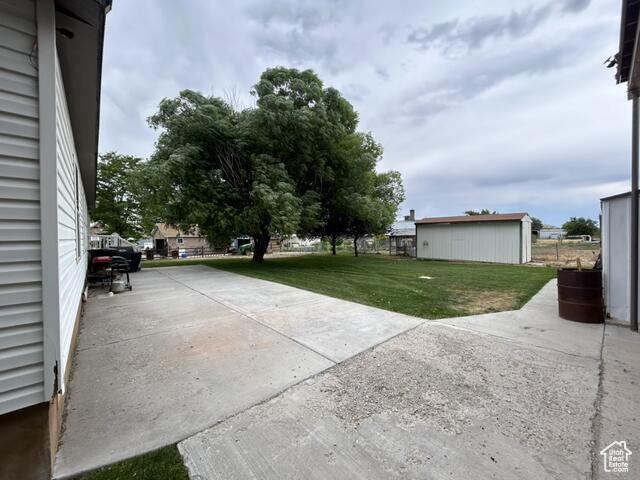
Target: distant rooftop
x,y
168,231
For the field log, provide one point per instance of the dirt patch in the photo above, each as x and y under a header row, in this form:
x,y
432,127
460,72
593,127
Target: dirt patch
x,y
409,385
485,301
564,254
452,380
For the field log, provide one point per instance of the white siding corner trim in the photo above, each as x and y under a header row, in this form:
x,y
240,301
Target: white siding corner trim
x,y
48,195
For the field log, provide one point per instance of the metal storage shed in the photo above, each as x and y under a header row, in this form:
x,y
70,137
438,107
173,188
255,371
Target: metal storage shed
x,y
498,238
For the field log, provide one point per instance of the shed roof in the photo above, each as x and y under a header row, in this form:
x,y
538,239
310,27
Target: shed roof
x,y
496,217
618,195
168,231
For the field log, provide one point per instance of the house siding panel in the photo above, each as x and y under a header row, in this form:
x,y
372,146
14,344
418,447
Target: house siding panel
x,y
72,225
21,330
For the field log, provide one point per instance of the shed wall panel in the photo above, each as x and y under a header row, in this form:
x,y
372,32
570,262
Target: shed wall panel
x,y
21,329
616,215
497,242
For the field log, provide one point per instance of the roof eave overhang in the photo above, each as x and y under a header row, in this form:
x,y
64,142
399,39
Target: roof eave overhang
x,y
469,221
628,68
80,27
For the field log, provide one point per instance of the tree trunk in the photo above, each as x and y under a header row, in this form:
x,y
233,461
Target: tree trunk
x,y
333,244
355,245
260,245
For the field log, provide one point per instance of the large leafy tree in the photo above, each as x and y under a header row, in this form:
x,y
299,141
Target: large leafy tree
x,y
274,169
536,224
484,211
581,226
372,211
119,193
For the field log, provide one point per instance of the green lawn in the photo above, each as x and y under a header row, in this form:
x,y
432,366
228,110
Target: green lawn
x,y
163,464
394,283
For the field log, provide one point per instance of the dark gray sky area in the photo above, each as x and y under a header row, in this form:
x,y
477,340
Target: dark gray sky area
x,y
502,104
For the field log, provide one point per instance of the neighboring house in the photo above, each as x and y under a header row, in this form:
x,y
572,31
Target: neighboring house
x,y
498,238
50,70
293,242
145,244
167,239
402,236
275,245
96,228
551,233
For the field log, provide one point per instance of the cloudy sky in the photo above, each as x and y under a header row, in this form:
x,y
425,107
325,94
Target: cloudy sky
x,y
503,105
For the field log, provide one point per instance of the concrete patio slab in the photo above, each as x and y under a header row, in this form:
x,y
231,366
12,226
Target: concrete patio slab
x,y
244,294
187,348
152,315
436,402
537,324
334,328
137,395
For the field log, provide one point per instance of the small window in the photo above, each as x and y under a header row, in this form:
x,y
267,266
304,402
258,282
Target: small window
x,y
180,241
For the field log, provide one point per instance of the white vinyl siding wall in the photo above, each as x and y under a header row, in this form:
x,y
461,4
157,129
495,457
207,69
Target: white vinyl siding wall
x,y
21,332
497,242
72,225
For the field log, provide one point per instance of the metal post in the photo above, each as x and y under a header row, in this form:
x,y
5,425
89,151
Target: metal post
x,y
633,282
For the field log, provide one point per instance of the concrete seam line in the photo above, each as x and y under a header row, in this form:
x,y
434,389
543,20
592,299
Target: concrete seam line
x,y
213,299
296,384
596,419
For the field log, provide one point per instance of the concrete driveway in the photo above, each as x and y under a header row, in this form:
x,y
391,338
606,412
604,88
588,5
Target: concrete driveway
x,y
191,346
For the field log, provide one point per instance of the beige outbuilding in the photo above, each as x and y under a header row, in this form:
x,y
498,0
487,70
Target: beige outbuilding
x,y
497,238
